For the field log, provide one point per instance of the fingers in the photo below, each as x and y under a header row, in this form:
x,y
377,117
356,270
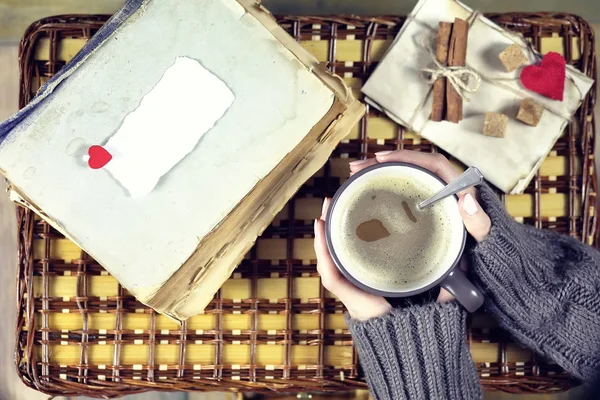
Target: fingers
x,y
324,210
436,163
360,305
476,221
330,276
444,296
357,165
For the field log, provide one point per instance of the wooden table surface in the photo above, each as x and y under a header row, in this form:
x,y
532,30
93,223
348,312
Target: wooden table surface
x,y
16,15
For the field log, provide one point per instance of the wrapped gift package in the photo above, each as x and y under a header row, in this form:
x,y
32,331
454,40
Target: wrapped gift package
x,y
509,163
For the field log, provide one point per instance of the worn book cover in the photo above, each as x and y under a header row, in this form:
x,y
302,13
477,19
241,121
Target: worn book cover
x,y
168,144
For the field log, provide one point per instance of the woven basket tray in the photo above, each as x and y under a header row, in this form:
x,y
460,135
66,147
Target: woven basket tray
x,y
272,327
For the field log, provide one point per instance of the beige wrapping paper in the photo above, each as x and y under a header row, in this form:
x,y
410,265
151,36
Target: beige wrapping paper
x,y
400,89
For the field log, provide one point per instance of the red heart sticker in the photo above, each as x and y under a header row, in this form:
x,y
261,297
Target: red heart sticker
x,y
547,79
99,157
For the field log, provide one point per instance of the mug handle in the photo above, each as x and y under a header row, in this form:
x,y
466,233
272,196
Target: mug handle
x,y
465,292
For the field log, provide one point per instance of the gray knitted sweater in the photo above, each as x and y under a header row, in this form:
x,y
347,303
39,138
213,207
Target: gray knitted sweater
x,y
543,288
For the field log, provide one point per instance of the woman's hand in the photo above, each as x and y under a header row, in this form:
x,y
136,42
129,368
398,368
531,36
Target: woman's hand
x,y
360,304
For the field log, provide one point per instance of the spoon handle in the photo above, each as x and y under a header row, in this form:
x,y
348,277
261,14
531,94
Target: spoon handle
x,y
471,177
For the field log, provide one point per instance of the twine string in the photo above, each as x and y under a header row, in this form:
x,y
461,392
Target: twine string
x,y
457,76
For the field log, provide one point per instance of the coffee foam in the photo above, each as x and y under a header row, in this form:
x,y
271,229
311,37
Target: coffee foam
x,y
414,254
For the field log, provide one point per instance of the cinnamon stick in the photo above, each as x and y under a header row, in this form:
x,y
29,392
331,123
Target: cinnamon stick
x,y
457,57
438,108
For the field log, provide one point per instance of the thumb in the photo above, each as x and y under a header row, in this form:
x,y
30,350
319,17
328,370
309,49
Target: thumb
x,y
476,221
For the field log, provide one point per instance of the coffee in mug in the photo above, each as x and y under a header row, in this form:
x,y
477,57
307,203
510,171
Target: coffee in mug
x,y
383,243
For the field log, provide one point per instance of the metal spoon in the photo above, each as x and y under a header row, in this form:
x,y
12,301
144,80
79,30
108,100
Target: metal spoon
x,y
471,177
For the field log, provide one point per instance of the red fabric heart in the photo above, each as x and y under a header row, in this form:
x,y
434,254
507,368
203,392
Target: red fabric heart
x,y
548,79
99,157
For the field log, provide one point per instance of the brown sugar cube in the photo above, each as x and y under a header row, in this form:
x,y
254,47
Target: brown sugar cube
x,y
495,124
513,57
530,112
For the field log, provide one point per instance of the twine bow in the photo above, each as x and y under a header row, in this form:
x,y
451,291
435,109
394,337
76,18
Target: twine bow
x,y
457,76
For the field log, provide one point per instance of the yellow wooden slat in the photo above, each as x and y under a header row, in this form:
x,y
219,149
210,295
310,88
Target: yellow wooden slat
x,y
130,321
232,322
559,166
271,249
305,355
74,321
516,353
484,352
299,322
554,43
66,49
133,321
66,286
60,249
319,48
378,49
382,128
552,205
551,166
355,84
308,208
236,289
276,288
199,354
339,167
36,83
305,321
266,322
271,288
202,321
306,288
281,216
354,133
335,321
269,354
304,249
106,286
131,354
576,53
236,354
338,355
352,50
346,50
269,322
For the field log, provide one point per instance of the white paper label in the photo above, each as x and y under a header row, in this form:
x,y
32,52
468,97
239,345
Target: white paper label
x,y
168,124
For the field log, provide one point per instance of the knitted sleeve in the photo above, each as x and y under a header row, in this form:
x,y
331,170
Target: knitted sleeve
x,y
543,288
419,352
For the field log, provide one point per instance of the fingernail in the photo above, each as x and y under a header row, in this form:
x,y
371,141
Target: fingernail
x,y
383,153
469,205
325,202
315,228
358,162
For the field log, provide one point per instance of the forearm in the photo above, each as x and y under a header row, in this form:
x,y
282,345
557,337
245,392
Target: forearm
x,y
419,352
543,288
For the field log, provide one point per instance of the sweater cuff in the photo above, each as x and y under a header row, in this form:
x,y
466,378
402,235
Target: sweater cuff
x,y
419,352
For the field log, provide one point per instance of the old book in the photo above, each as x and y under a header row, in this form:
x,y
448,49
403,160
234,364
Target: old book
x,y
213,117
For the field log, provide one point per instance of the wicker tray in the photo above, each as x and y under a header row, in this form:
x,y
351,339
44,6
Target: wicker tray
x,y
272,327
